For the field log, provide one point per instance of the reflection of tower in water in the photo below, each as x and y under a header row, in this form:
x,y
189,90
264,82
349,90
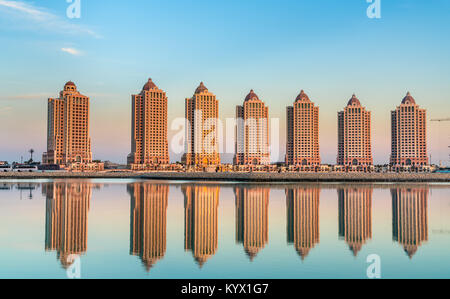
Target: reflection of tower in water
x,y
410,218
355,216
201,204
252,218
66,224
303,219
148,221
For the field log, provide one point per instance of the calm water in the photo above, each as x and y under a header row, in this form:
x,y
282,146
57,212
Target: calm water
x,y
137,229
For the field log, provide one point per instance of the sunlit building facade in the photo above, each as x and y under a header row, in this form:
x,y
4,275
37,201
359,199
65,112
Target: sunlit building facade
x,y
66,221
202,129
252,132
303,219
409,135
148,221
68,139
410,218
201,205
252,218
302,148
355,216
149,141
355,136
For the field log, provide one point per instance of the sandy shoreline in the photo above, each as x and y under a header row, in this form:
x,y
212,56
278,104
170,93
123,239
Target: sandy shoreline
x,y
245,177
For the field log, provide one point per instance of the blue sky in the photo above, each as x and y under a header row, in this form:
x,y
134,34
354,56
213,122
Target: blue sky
x,y
330,49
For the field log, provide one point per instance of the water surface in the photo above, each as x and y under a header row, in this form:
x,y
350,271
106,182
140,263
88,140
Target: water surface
x,y
149,229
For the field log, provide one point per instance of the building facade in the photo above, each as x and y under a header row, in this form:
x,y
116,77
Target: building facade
x,y
302,148
252,132
409,135
68,140
355,216
201,205
355,136
148,222
410,218
66,224
252,219
303,219
202,129
149,141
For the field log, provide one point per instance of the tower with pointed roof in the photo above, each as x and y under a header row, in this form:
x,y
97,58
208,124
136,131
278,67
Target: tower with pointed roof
x,y
252,219
148,221
355,216
302,144
201,204
68,139
355,136
410,217
252,132
303,219
66,219
202,129
409,135
149,141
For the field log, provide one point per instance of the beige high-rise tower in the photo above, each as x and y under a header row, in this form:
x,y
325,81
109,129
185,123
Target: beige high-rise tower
x,y
409,135
68,140
303,134
148,221
252,218
410,217
355,216
149,143
202,125
303,218
252,132
66,223
354,136
201,203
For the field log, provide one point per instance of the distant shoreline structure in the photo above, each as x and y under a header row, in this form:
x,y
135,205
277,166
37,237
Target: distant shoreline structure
x,y
244,177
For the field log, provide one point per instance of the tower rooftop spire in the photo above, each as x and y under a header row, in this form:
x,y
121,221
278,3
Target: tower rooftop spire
x,y
408,99
149,85
251,96
354,101
201,88
70,86
302,97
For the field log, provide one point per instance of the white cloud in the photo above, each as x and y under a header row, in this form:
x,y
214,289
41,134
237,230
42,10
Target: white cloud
x,y
43,18
71,51
25,8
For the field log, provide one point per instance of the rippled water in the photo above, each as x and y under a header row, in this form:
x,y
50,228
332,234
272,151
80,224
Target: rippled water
x,y
145,229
